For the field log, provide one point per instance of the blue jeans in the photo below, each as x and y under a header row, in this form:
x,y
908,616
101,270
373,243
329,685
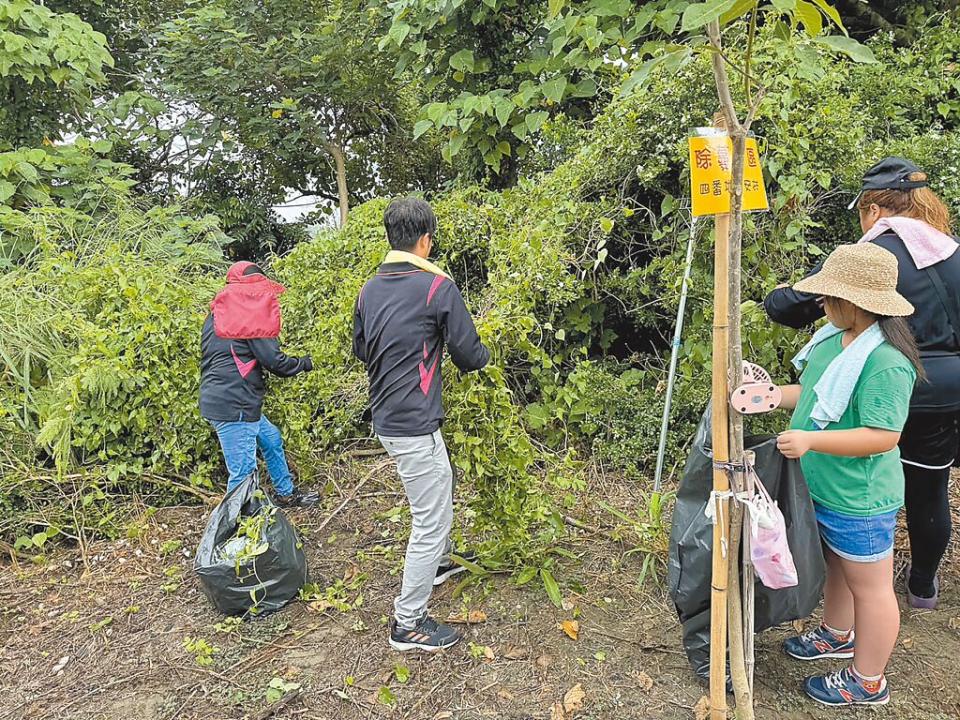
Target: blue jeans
x,y
239,441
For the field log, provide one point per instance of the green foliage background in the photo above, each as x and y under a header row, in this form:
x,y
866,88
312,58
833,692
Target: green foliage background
x,y
573,274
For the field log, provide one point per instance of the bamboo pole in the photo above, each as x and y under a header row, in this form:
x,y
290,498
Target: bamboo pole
x,y
733,356
720,441
749,575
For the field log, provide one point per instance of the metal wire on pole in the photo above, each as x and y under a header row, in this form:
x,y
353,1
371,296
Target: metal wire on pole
x,y
674,354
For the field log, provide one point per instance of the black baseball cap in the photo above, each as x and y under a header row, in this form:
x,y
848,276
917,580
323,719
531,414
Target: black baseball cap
x,y
891,173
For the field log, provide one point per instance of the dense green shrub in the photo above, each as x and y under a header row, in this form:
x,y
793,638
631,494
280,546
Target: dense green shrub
x,y
574,276
99,334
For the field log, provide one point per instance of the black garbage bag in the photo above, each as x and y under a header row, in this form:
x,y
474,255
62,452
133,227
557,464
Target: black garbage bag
x,y
691,544
250,560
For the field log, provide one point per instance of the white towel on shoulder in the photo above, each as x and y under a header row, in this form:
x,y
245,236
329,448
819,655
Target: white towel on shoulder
x,y
835,387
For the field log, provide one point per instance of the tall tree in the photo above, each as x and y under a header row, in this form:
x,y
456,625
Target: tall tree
x,y
498,69
297,85
49,65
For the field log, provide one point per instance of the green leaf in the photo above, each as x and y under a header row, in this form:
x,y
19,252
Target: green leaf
x,y
739,9
849,47
784,5
639,76
456,143
606,224
472,567
831,13
561,334
526,575
503,109
386,697
421,127
585,88
402,673
7,189
811,18
555,7
699,14
27,171
553,89
399,32
550,585
535,120
462,60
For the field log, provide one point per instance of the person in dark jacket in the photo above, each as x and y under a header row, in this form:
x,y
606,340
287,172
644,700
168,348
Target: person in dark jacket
x,y
238,343
403,319
901,214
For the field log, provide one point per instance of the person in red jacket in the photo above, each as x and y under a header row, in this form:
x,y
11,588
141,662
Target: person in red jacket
x,y
238,342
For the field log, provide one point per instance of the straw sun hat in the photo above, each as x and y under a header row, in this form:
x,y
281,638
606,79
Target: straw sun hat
x,y
865,275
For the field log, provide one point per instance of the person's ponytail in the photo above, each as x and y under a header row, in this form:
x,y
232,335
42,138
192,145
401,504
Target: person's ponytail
x,y
919,203
896,332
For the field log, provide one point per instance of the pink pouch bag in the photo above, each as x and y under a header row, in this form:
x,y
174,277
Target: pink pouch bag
x,y
769,550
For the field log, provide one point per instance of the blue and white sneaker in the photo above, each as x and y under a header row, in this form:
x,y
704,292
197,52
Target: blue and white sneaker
x,y
819,644
843,688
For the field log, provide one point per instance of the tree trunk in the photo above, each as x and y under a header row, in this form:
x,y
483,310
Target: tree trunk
x,y
338,158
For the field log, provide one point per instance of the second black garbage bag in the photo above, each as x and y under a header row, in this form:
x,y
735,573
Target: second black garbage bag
x,y
691,544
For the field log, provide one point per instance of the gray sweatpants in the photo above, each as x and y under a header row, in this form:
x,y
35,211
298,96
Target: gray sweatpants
x,y
424,469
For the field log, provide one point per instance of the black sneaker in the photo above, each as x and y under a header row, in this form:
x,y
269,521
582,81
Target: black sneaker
x,y
429,636
298,499
450,568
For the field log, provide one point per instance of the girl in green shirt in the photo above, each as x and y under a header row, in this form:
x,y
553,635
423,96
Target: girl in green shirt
x,y
849,409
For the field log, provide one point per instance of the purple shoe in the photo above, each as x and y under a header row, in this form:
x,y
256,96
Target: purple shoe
x,y
922,603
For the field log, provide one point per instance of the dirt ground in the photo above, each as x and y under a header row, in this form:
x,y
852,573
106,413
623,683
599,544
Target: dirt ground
x,y
107,640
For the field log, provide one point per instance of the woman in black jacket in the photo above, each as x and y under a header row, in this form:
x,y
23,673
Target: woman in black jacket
x,y
901,214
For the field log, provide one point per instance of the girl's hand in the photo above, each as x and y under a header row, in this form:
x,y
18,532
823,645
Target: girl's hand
x,y
794,444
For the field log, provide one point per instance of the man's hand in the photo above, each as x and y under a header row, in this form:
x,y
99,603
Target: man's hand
x,y
795,444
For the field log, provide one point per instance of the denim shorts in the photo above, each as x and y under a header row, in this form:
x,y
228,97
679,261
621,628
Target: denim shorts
x,y
857,538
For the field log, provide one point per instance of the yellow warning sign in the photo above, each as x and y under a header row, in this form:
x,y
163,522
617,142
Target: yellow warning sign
x,y
710,172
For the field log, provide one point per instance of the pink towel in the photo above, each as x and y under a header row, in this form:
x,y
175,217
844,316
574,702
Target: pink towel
x,y
926,245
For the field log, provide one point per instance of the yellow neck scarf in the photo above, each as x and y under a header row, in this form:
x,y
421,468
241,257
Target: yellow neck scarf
x,y
400,256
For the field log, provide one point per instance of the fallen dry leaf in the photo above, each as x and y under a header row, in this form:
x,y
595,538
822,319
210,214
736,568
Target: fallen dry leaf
x,y
320,605
443,715
907,643
954,623
515,652
543,662
488,653
644,681
504,694
573,700
471,618
351,573
701,711
571,628
557,713
799,625
567,604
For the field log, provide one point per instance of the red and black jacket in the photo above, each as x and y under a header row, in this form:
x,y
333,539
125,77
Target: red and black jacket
x,y
238,342
403,318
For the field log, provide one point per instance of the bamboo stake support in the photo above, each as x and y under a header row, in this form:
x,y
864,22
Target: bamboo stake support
x,y
749,575
721,484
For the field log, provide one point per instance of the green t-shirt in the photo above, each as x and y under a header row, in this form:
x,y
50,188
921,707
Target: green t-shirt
x,y
881,399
